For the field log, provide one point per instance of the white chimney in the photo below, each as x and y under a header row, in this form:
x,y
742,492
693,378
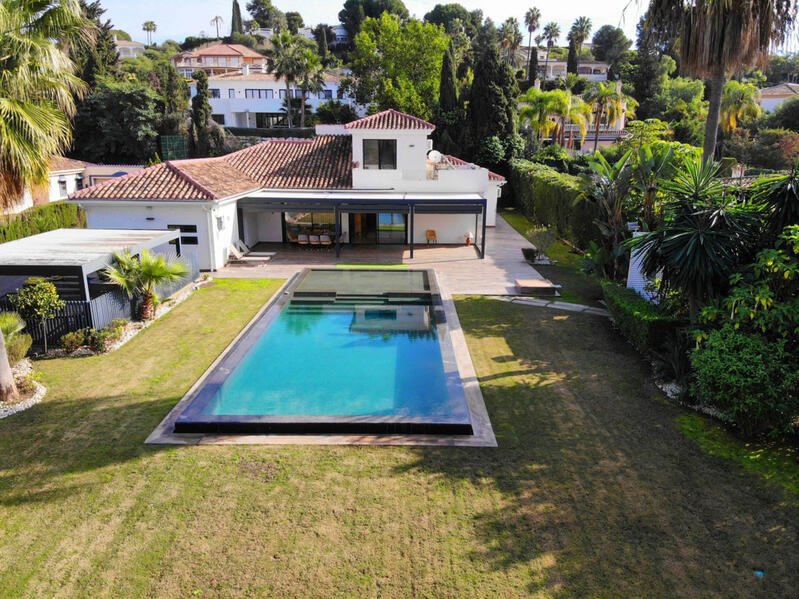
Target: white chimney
x,y
245,69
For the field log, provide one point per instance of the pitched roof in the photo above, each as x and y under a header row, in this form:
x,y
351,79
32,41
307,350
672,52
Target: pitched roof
x,y
128,43
492,176
224,50
782,89
390,119
324,162
62,163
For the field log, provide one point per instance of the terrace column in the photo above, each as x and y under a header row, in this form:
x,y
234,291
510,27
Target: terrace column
x,y
413,209
338,230
483,251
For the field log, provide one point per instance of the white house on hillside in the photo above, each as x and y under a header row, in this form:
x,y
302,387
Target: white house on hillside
x,y
216,59
129,49
254,98
772,97
374,181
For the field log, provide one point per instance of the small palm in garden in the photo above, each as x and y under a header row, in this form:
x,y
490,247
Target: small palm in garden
x,y
140,275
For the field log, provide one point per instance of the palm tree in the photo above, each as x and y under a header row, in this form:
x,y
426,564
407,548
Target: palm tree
x,y
579,32
284,60
718,38
740,101
510,39
311,77
654,164
139,276
532,19
217,21
537,108
149,27
551,35
580,113
37,98
609,189
608,104
703,238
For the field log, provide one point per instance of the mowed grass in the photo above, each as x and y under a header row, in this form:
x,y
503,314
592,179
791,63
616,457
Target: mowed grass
x,y
593,491
576,286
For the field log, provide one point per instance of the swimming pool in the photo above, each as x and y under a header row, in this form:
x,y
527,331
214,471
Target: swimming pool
x,y
360,351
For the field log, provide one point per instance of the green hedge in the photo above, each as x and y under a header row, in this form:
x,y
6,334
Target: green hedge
x,y
307,132
641,322
548,197
41,219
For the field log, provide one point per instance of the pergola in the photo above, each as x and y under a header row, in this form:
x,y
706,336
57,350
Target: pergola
x,y
73,254
376,201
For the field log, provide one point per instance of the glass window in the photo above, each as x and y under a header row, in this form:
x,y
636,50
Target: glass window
x,y
391,227
326,94
308,222
62,188
282,93
380,154
215,92
186,239
219,118
231,93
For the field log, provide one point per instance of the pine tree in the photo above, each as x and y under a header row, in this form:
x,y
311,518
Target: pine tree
x,y
571,60
533,71
236,25
97,56
647,77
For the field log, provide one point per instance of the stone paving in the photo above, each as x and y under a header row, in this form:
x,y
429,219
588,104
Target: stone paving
x,y
556,305
459,268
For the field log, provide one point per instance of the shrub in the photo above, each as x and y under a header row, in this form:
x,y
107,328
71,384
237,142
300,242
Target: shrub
x,y
642,323
17,347
41,219
750,380
548,197
72,341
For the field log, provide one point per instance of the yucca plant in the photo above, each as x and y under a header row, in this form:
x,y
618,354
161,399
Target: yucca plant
x,y
705,235
140,275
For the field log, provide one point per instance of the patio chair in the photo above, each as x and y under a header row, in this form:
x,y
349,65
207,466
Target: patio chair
x,y
292,237
302,239
325,241
431,236
314,240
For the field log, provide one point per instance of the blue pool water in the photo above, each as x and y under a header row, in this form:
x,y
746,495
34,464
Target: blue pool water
x,y
346,352
317,361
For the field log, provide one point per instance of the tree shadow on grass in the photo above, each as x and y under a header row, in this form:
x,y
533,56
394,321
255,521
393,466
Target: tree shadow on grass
x,y
54,441
600,494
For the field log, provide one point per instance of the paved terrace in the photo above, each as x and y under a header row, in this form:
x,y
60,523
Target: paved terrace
x,y
459,268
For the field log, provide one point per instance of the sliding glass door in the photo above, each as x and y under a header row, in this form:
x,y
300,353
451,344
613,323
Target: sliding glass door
x,y
391,227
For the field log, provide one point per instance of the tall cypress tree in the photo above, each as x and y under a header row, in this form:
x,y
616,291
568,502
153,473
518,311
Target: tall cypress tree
x,y
200,116
236,25
532,74
449,115
571,60
95,57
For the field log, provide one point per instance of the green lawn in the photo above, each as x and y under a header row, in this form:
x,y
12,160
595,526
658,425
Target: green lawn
x,y
577,287
594,490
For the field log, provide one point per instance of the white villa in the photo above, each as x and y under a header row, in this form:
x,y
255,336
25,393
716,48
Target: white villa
x,y
772,97
217,59
254,98
553,68
373,181
129,49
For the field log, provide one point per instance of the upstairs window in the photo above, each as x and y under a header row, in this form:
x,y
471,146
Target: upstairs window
x,y
326,94
380,154
231,93
215,93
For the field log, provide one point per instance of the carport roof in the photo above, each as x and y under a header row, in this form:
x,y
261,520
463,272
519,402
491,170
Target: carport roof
x,y
86,248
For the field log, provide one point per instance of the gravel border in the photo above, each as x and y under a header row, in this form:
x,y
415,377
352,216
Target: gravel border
x,y
22,370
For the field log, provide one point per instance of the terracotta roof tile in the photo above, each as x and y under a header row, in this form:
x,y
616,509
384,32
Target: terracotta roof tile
x,y
390,119
62,163
224,50
324,162
492,176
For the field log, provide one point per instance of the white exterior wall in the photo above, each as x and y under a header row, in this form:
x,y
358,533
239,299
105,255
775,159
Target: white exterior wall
x,y
134,216
239,111
70,178
449,228
770,103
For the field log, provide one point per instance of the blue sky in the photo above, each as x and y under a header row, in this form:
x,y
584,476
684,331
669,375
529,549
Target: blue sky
x,y
177,19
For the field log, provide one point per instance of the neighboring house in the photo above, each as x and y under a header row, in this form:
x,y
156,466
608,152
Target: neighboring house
x,y
128,49
254,98
217,59
306,32
342,36
772,97
593,70
374,180
66,176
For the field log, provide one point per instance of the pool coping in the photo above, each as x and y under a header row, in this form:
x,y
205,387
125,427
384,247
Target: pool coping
x,y
483,434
